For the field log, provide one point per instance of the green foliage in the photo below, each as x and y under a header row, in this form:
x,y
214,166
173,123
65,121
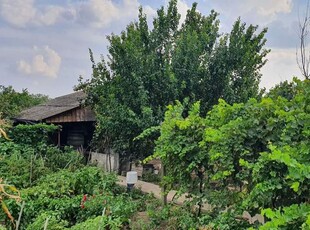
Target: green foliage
x,y
91,224
28,156
179,146
24,165
285,89
26,159
250,156
292,217
51,219
59,192
62,191
76,200
171,217
32,134
148,69
100,222
13,102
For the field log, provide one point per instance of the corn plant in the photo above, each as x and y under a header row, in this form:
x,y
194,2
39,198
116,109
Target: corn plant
x,y
8,192
3,125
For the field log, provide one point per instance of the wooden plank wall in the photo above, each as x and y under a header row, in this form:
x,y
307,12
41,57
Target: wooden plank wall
x,y
75,115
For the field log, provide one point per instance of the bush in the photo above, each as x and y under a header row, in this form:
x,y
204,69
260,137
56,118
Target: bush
x,y
51,219
251,156
23,166
32,134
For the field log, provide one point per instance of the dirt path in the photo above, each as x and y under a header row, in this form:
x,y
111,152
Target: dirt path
x,y
156,190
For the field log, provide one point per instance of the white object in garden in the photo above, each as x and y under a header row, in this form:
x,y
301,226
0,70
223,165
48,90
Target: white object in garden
x,y
131,177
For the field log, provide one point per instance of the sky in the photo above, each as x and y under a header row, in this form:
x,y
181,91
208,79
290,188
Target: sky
x,y
44,43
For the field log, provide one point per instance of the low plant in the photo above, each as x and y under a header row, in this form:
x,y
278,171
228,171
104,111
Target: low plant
x,y
48,220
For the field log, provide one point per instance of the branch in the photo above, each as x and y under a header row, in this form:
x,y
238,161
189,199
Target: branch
x,y
303,60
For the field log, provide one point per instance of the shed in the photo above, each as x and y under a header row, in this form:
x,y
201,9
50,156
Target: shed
x,y
76,121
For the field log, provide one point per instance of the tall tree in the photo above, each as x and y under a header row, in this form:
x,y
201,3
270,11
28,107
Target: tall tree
x,y
148,69
12,102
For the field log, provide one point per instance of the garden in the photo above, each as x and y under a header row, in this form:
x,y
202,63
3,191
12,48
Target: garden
x,y
188,95
251,156
43,187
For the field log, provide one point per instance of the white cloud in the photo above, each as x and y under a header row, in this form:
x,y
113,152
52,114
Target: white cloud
x,y
272,7
96,13
182,9
50,15
149,11
18,12
281,66
263,11
21,13
102,13
46,62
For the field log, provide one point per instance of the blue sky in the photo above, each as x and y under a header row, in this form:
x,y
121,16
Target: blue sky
x,y
44,43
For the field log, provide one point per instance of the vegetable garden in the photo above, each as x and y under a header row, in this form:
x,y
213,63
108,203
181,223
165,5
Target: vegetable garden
x,y
252,156
52,188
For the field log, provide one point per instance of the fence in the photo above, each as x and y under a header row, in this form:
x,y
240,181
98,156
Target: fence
x,y
108,161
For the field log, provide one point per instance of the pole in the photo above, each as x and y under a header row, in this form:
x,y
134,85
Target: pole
x,y
164,187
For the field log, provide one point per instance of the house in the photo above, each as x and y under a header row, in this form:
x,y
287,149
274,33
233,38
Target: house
x,y
76,122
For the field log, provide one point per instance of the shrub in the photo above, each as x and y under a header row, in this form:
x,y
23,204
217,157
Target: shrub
x,y
51,219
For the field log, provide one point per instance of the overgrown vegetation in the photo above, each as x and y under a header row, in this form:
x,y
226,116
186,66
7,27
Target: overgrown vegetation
x,y
58,191
252,156
194,91
148,69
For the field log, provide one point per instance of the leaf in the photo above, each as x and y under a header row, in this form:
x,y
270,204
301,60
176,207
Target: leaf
x,y
308,220
295,186
268,213
7,212
2,133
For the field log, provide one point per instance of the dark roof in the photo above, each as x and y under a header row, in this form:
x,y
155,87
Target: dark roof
x,y
52,107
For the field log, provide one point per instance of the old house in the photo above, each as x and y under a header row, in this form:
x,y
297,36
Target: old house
x,y
76,122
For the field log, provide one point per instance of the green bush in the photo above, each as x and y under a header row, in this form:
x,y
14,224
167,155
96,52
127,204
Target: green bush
x,y
75,197
100,222
28,156
251,156
52,220
32,134
23,166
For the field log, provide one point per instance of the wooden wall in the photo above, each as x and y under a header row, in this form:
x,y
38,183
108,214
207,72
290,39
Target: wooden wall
x,y
75,115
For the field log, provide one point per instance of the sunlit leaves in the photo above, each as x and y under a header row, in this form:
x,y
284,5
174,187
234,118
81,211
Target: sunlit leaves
x,y
256,153
287,217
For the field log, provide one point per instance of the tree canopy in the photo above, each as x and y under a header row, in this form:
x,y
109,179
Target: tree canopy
x,y
148,68
12,102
